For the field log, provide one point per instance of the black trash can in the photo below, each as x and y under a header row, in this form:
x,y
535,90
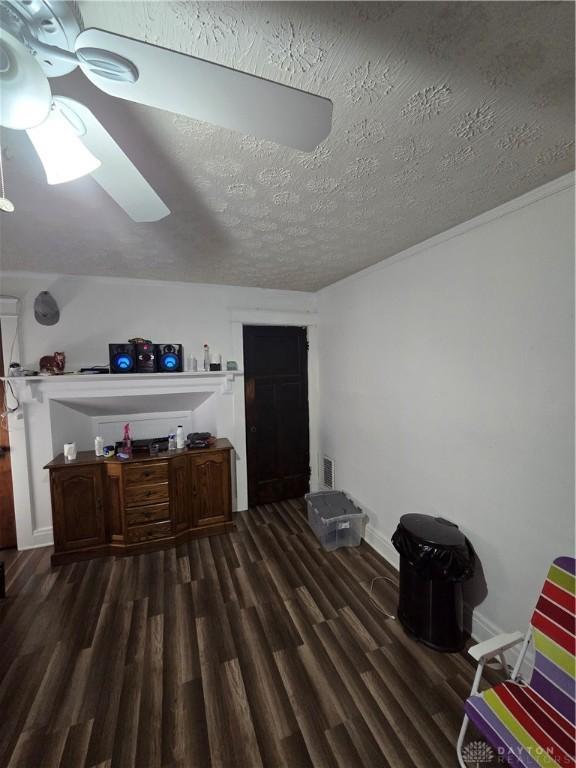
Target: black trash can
x,y
435,558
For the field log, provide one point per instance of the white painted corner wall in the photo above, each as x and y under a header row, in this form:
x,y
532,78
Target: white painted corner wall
x,y
447,388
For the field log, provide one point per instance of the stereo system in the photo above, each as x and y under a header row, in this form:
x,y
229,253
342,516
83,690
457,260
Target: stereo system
x,y
122,358
146,358
169,358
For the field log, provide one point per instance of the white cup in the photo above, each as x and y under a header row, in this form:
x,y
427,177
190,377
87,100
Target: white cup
x,y
69,451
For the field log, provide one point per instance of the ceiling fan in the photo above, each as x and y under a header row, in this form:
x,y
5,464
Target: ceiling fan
x,y
41,39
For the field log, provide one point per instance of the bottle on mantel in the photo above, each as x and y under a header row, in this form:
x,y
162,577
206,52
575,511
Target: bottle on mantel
x,y
180,439
127,441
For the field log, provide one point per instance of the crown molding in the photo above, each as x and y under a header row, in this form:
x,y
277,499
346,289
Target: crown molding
x,y
560,184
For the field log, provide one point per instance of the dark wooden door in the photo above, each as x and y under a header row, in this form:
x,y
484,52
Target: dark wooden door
x,y
7,518
77,507
277,432
211,488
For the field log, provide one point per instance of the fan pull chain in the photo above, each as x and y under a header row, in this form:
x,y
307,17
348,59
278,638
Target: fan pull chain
x,y
1,175
7,206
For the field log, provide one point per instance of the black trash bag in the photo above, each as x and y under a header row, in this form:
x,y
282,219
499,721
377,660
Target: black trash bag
x,y
433,559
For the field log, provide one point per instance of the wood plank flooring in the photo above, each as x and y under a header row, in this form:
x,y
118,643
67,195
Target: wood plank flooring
x,y
255,649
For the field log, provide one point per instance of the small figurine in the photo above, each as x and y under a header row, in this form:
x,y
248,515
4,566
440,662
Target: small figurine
x,y
53,364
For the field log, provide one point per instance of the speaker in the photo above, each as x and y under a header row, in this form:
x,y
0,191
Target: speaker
x,y
169,357
122,358
145,358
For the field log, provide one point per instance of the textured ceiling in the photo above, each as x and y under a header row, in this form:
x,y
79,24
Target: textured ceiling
x,y
441,111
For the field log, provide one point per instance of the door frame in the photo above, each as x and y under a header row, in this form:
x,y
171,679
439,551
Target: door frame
x,y
309,320
9,313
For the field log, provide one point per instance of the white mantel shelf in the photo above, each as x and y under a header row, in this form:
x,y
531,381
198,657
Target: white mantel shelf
x,y
36,388
121,376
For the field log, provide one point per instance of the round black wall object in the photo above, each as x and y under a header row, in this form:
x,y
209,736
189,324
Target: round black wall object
x,y
46,310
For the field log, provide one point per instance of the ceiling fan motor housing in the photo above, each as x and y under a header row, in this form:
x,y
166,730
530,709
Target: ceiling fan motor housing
x,y
53,23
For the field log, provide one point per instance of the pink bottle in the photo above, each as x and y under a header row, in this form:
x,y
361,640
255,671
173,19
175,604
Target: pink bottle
x,y
127,442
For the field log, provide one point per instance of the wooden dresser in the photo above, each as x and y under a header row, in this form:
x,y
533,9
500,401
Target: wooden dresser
x,y
105,506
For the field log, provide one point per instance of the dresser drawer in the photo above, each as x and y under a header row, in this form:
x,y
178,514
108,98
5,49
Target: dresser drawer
x,y
149,532
149,472
145,494
149,514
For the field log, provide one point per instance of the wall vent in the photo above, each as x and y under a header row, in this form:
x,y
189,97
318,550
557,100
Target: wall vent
x,y
327,472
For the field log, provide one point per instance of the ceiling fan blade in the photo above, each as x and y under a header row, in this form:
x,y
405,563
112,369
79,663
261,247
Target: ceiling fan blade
x,y
117,175
207,91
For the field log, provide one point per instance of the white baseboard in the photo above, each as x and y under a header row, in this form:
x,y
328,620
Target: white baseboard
x,y
484,629
382,545
41,537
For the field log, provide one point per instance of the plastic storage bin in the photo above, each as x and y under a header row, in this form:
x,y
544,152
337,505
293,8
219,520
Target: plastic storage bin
x,y
335,519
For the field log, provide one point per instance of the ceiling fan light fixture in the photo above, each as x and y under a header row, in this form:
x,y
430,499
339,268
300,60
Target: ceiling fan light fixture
x,y
25,93
62,153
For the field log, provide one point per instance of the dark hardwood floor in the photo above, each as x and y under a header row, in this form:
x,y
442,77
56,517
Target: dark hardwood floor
x,y
255,648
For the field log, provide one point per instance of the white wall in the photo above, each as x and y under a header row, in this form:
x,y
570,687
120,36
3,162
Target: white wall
x,y
96,311
447,387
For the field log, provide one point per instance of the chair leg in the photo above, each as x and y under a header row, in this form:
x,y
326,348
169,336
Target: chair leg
x,y
460,743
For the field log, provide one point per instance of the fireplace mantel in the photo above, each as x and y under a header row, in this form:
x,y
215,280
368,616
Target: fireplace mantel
x,y
36,424
30,389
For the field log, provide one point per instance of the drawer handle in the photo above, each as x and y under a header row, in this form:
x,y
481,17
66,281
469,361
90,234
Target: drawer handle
x,y
147,474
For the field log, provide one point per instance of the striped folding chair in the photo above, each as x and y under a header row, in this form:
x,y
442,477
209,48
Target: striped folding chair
x,y
530,725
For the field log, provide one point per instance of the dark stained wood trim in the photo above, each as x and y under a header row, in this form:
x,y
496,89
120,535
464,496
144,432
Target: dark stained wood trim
x,y
7,511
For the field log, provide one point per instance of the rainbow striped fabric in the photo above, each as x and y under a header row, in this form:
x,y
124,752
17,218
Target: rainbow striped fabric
x,y
534,725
